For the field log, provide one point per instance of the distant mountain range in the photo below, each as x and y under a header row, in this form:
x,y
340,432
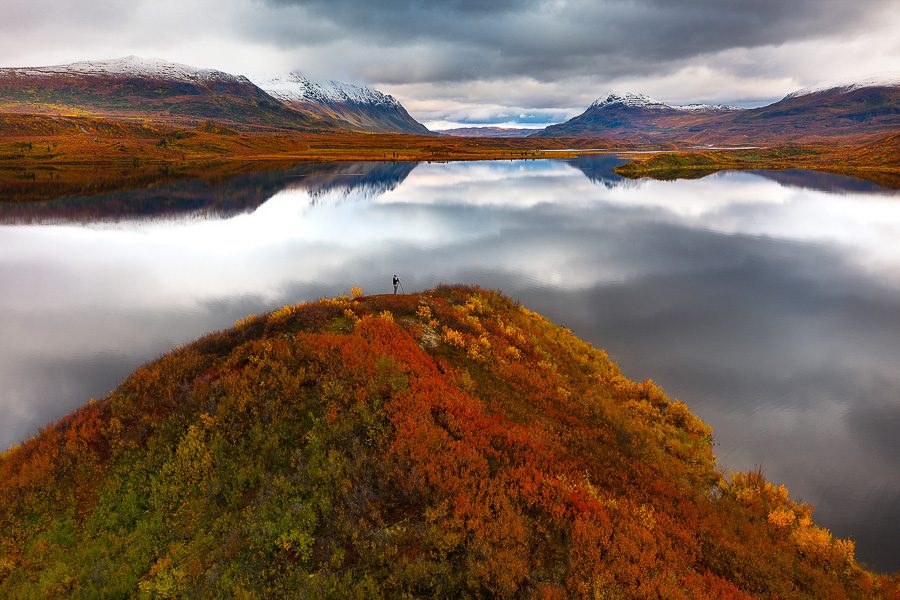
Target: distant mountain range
x,y
846,109
156,91
491,132
133,87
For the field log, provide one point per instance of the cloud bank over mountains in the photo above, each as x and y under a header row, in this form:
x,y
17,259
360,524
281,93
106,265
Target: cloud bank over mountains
x,y
464,61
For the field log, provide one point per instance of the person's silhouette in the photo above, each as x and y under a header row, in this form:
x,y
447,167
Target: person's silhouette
x,y
396,283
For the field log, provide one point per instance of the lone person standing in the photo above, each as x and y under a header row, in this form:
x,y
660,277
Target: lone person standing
x,y
396,283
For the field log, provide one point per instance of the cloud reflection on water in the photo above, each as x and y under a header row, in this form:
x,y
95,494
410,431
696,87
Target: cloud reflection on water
x,y
773,311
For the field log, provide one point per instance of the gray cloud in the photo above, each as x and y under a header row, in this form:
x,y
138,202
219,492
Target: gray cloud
x,y
472,61
550,40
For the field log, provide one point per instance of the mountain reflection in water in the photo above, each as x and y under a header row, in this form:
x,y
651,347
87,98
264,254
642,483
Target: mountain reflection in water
x,y
769,302
221,196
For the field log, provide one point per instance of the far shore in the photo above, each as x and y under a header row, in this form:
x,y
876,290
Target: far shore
x,y
94,147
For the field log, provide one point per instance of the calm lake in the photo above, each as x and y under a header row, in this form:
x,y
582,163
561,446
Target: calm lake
x,y
769,302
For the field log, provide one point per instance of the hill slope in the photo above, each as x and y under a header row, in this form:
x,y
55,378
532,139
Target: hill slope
x,y
355,106
133,87
446,444
846,110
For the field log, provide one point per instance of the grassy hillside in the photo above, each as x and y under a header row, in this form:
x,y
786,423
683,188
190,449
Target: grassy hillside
x,y
446,444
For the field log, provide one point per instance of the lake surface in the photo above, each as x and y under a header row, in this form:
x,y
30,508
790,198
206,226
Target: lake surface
x,y
768,302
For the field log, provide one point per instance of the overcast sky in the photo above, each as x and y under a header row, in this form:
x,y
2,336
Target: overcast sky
x,y
484,62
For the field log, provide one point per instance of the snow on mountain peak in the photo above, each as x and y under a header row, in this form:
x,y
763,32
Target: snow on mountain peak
x,y
705,107
891,79
297,87
133,66
629,99
633,100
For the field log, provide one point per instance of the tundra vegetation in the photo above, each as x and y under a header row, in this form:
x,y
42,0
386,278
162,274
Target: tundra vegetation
x,y
444,444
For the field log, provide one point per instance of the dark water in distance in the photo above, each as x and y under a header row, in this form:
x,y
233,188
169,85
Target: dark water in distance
x,y
769,302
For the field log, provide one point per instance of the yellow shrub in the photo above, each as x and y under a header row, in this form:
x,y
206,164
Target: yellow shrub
x,y
241,323
646,516
351,315
284,313
340,301
477,347
846,549
812,540
781,517
477,304
453,337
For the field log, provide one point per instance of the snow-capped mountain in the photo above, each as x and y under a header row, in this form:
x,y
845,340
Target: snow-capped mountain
x,y
359,106
133,88
633,100
705,107
866,106
630,100
128,66
296,87
635,116
891,80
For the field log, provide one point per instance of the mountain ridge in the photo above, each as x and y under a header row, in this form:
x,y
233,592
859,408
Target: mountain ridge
x,y
360,106
882,80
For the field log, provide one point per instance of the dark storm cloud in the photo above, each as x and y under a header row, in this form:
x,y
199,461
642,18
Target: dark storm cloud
x,y
544,39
